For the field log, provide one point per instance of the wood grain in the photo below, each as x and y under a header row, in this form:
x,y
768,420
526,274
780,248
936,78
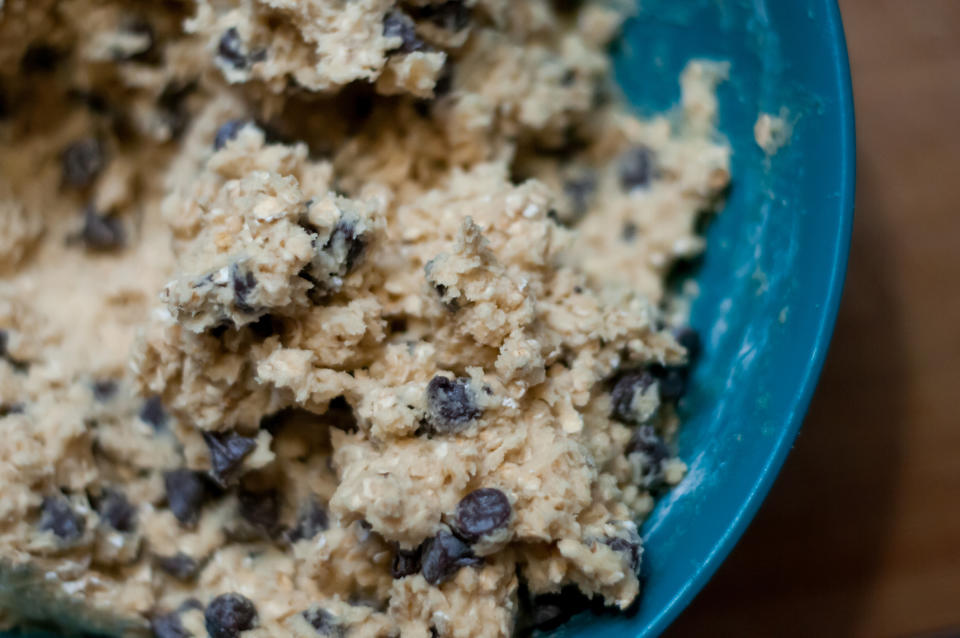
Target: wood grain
x,y
861,534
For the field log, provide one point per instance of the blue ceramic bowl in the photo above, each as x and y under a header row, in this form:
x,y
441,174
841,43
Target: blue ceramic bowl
x,y
771,279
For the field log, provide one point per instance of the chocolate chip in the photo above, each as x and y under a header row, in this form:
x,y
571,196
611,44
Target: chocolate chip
x,y
227,451
260,509
153,413
452,15
40,58
579,190
11,408
689,339
451,404
636,167
397,24
229,614
624,392
168,626
116,511
631,547
451,303
346,243
325,623
101,232
406,562
549,611
82,161
482,512
672,381
228,131
104,389
628,232
646,442
59,517
244,283
232,50
186,493
180,566
311,521
443,556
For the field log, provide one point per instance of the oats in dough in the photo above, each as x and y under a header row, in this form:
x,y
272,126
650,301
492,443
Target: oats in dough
x,y
335,318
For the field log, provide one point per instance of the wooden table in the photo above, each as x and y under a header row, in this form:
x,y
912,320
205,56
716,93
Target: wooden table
x,y
860,536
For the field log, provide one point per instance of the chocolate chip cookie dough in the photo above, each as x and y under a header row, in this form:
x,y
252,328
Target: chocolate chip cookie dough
x,y
336,318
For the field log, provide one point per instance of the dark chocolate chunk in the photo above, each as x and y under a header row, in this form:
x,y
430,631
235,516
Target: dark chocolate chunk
x,y
647,442
101,232
547,612
232,50
482,512
116,511
451,404
406,562
636,167
579,191
229,614
452,15
244,283
311,521
443,556
186,493
397,24
631,547
40,58
227,451
180,566
260,509
58,516
628,232
450,303
153,413
346,243
228,131
11,408
671,380
168,626
325,623
104,389
82,161
624,390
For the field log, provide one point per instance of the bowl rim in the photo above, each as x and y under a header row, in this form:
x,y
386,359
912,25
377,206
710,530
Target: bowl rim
x,y
838,254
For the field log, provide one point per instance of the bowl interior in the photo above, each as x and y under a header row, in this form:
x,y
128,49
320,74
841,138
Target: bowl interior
x,y
771,278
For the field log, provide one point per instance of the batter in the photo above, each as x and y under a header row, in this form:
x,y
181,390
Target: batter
x,y
335,318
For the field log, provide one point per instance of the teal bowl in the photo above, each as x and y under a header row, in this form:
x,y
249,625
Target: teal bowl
x,y
771,278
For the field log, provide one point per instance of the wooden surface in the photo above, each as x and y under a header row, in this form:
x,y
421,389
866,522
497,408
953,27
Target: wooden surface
x,y
860,536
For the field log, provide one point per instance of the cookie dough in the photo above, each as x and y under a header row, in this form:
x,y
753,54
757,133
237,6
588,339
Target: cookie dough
x,y
338,318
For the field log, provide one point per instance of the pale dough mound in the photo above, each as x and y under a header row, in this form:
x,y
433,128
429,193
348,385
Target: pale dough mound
x,y
335,317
